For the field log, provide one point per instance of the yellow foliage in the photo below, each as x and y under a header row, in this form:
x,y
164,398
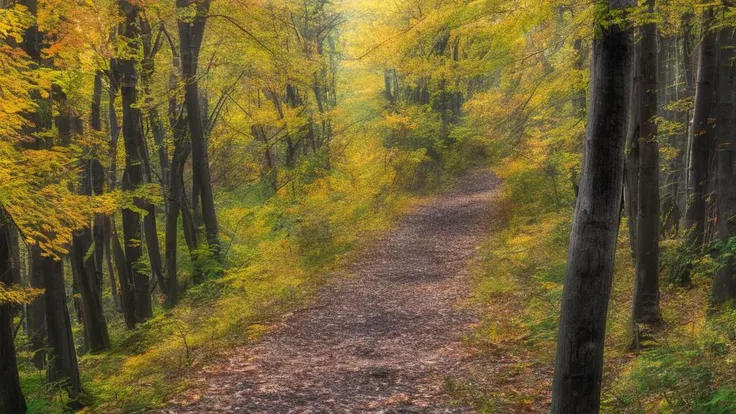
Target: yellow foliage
x,y
17,295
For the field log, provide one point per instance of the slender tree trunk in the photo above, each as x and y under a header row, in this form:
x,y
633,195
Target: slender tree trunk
x,y
672,207
11,396
84,265
112,245
579,365
632,163
127,291
646,283
190,39
702,140
97,181
133,177
181,153
724,283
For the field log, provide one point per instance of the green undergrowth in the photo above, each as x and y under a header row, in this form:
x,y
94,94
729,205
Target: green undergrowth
x,y
687,366
278,252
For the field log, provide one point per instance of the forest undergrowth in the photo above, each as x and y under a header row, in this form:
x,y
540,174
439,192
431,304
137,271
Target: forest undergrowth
x,y
684,366
271,273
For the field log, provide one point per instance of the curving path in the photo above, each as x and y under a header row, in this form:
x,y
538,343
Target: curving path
x,y
379,341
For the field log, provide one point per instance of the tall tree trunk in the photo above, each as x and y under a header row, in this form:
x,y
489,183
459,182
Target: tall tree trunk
x,y
702,139
36,310
83,260
11,396
190,39
62,358
724,283
127,292
179,158
112,245
97,181
579,364
672,84
646,284
632,163
133,177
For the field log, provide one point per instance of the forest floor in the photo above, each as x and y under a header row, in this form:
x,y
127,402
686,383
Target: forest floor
x,y
385,337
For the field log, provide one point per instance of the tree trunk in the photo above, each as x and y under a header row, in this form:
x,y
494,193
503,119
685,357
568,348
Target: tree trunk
x,y
633,141
724,283
97,181
702,140
11,396
190,38
127,292
672,206
579,364
62,359
84,263
112,245
133,177
36,310
179,158
646,283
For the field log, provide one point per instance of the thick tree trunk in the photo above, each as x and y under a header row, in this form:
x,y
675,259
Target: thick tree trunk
x,y
36,310
62,358
724,283
646,284
702,140
133,177
579,365
11,396
190,38
93,316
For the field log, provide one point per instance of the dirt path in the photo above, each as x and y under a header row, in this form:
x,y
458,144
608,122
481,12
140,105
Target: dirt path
x,y
379,341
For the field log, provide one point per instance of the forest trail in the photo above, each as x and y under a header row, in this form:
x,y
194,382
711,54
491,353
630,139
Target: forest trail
x,y
383,339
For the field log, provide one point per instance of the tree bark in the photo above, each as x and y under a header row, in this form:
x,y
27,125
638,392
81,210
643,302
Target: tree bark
x,y
11,396
83,254
646,284
702,140
632,163
179,158
62,358
133,177
579,364
36,310
724,283
190,39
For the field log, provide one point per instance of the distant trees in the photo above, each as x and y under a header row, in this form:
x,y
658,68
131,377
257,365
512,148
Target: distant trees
x,y
579,363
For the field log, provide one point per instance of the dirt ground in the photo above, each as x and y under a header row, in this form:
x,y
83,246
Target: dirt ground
x,y
382,339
